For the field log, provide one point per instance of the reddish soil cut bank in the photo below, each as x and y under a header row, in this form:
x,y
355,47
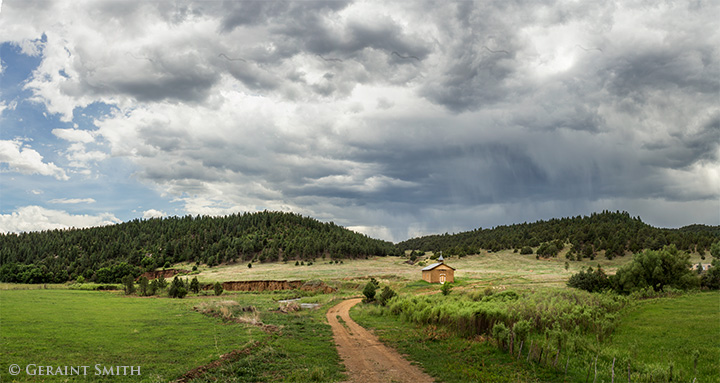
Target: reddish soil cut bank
x,y
274,285
367,360
167,273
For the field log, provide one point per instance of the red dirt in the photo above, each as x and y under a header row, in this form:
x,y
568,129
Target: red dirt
x,y
366,359
273,285
167,273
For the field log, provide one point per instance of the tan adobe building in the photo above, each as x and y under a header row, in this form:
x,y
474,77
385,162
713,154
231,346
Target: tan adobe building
x,y
439,272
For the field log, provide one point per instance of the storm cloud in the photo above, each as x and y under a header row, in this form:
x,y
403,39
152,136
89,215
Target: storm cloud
x,y
397,119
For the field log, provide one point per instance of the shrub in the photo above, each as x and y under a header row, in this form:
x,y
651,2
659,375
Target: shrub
x,y
656,269
711,278
128,284
161,282
521,329
144,285
501,333
715,250
195,285
526,250
446,288
249,265
80,279
369,291
592,281
385,296
218,288
154,287
177,288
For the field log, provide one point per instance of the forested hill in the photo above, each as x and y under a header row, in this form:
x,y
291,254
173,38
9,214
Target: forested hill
x,y
105,254
612,233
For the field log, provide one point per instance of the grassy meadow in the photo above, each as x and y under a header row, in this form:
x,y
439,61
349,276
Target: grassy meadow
x,y
166,337
498,268
72,325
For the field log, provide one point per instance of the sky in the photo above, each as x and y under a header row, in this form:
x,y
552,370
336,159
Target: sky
x,y
394,119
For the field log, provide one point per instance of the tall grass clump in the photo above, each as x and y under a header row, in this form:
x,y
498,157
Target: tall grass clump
x,y
474,313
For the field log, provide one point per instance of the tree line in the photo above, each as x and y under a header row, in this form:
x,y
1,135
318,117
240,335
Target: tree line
x,y
610,233
106,254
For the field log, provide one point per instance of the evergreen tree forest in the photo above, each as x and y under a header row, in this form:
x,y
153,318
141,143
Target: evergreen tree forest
x,y
612,233
107,254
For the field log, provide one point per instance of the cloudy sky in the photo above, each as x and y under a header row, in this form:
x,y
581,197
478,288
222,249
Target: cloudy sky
x,y
395,119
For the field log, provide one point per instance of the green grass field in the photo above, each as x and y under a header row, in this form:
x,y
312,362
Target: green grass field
x,y
165,337
670,330
56,325
81,328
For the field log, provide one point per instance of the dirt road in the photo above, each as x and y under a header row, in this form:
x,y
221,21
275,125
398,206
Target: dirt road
x,y
367,360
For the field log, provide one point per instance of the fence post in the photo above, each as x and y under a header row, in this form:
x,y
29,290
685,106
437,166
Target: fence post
x,y
520,351
530,350
566,364
612,369
595,377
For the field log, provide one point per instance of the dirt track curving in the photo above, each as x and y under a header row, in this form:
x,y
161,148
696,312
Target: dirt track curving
x,y
367,360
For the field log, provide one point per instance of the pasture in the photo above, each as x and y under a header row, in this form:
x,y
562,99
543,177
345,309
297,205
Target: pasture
x,y
498,268
61,325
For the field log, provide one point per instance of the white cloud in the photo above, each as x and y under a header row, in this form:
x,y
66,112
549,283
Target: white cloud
x,y
72,200
74,135
27,161
36,218
152,213
350,111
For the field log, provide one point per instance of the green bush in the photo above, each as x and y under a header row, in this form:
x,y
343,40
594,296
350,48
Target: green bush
x,y
218,288
656,269
446,288
710,279
177,288
128,284
154,287
501,333
521,329
592,281
715,250
385,296
195,285
369,291
144,285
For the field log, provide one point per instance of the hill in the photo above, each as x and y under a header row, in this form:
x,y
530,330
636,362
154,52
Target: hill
x,y
106,254
613,233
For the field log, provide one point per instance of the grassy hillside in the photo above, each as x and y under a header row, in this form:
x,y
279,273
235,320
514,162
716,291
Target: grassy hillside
x,y
129,248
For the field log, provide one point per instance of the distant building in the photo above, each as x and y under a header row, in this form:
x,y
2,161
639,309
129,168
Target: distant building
x,y
439,272
705,266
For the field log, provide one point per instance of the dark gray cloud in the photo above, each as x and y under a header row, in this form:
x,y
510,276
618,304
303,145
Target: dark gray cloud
x,y
402,118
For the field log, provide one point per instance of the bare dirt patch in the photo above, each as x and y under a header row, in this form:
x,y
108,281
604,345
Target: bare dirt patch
x,y
365,357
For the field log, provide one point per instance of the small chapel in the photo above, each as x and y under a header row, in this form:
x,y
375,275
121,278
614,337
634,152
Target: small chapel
x,y
439,272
